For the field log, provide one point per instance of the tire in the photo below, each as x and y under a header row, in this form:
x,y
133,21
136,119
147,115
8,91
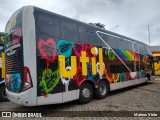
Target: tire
x,y
102,91
86,93
3,96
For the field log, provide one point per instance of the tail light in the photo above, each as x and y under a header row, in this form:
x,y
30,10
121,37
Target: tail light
x,y
27,79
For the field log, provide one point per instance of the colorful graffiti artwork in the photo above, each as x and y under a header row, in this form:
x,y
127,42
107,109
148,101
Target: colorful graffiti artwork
x,y
124,55
48,83
65,80
115,77
65,48
122,77
48,51
79,78
14,81
108,76
111,54
128,76
79,62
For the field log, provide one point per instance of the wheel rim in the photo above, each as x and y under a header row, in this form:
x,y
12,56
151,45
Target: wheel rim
x,y
86,92
103,89
4,94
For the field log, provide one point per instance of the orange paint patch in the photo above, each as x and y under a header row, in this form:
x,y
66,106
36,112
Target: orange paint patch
x,y
45,95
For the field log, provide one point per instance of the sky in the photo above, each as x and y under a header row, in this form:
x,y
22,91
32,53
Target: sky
x,y
130,18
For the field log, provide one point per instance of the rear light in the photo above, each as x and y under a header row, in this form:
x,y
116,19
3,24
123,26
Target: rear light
x,y
27,79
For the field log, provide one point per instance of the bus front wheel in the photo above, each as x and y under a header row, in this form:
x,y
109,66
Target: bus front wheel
x,y
86,93
102,90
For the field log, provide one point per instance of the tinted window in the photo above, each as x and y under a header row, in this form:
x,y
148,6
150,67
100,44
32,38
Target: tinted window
x,y
135,47
48,25
130,45
15,21
88,35
69,30
122,44
110,40
142,49
121,69
148,50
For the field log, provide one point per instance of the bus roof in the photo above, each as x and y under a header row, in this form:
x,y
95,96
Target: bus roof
x,y
88,25
96,28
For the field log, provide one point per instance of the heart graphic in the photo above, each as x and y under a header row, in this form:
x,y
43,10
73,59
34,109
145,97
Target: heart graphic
x,y
48,50
50,81
111,54
88,51
65,48
78,47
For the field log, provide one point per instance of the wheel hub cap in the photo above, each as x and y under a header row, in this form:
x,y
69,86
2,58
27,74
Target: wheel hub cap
x,y
85,93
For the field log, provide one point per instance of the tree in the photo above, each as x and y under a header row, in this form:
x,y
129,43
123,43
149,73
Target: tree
x,y
100,25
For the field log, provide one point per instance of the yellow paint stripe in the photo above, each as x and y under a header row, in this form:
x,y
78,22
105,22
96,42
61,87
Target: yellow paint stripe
x,y
156,54
3,65
130,54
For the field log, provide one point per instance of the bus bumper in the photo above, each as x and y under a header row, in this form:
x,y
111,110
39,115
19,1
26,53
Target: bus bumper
x,y
26,98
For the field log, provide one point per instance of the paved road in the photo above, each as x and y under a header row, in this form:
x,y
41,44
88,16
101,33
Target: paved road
x,y
145,97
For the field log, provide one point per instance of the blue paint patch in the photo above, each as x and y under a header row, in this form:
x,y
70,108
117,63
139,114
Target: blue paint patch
x,y
143,75
15,85
65,48
89,71
122,77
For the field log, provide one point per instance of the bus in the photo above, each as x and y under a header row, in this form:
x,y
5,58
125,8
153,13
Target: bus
x,y
3,96
157,65
53,59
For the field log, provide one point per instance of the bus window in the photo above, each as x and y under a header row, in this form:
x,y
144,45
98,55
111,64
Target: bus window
x,y
110,40
48,25
148,50
122,44
142,49
88,35
69,30
130,45
15,21
135,47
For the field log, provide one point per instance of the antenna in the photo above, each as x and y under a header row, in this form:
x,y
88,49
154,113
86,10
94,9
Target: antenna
x,y
148,35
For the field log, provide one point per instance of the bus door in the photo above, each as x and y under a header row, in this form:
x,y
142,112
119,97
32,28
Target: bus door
x,y
136,59
142,62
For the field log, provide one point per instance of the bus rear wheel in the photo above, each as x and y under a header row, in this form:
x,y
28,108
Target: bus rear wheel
x,y
86,93
102,90
3,96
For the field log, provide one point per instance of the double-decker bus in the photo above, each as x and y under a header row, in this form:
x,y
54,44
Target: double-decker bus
x,y
53,59
3,96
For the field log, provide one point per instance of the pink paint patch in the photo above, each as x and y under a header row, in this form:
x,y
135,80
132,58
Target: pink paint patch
x,y
48,51
78,47
79,78
128,75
